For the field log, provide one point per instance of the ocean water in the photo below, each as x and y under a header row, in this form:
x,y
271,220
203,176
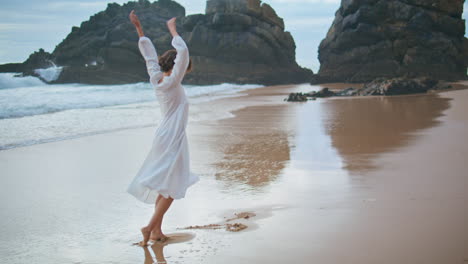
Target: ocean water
x,y
33,112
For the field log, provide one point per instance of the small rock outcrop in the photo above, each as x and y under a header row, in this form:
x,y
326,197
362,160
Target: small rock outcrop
x,y
38,60
395,38
379,86
236,41
397,86
325,92
297,97
11,67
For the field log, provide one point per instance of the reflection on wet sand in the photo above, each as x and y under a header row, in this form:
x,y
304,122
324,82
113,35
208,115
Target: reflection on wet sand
x,y
256,146
158,247
361,128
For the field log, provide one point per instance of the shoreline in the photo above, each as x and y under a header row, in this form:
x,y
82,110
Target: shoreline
x,y
275,90
232,108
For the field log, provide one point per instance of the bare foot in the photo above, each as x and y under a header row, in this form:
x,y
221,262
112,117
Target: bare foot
x,y
146,236
158,236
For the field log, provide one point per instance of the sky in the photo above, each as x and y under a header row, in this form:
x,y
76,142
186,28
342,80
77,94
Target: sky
x,y
27,25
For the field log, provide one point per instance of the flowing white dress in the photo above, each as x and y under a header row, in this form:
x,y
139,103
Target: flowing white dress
x,y
166,169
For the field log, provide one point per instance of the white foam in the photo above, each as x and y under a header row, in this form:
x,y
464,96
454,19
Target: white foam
x,y
9,80
31,115
50,74
215,90
26,101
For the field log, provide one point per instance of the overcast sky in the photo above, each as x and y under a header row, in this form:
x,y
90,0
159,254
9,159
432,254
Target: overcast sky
x,y
27,25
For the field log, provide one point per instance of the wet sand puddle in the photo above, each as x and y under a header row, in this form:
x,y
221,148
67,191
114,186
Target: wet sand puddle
x,y
363,128
189,250
158,247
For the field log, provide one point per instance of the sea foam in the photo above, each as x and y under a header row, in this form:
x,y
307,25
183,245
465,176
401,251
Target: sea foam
x,y
40,98
49,74
14,80
34,112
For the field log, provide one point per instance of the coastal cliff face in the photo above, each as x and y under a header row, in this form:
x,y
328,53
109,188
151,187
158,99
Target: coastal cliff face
x,y
394,38
237,41
241,41
104,50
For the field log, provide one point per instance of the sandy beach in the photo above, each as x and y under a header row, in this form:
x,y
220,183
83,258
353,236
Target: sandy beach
x,y
340,180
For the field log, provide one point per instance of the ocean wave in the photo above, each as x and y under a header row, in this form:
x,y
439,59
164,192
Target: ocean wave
x,y
27,101
43,99
12,80
49,74
82,110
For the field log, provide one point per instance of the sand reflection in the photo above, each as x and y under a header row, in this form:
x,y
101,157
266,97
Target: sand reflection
x,y
158,248
361,128
256,146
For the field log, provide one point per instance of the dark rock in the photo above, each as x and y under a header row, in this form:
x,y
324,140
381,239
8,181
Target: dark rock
x,y
347,92
399,38
38,60
465,51
241,41
11,67
384,86
325,92
237,41
441,85
297,97
397,86
103,50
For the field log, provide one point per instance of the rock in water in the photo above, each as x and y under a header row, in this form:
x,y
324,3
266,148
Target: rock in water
x,y
395,38
237,41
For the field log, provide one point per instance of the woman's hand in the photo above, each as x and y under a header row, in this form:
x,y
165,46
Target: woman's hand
x,y
136,22
171,25
134,19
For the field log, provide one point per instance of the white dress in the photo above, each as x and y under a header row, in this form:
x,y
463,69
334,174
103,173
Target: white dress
x,y
166,169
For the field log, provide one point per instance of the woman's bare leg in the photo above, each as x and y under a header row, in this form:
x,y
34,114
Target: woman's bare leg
x,y
157,200
155,223
154,236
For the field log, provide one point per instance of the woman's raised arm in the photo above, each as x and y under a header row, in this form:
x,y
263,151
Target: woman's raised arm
x,y
148,51
182,59
136,22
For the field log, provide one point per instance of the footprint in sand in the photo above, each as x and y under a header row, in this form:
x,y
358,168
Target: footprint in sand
x,y
234,227
244,215
242,219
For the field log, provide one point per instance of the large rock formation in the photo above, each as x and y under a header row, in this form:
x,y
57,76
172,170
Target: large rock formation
x,y
238,41
242,41
392,38
103,50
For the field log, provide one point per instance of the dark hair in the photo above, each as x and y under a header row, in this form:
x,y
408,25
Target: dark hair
x,y
166,61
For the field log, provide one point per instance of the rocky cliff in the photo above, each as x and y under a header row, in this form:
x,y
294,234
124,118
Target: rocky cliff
x,y
104,50
237,41
392,38
242,41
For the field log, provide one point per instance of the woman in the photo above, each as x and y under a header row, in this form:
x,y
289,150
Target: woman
x,y
165,174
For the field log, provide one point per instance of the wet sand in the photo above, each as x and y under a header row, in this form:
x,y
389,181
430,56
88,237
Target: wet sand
x,y
356,180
